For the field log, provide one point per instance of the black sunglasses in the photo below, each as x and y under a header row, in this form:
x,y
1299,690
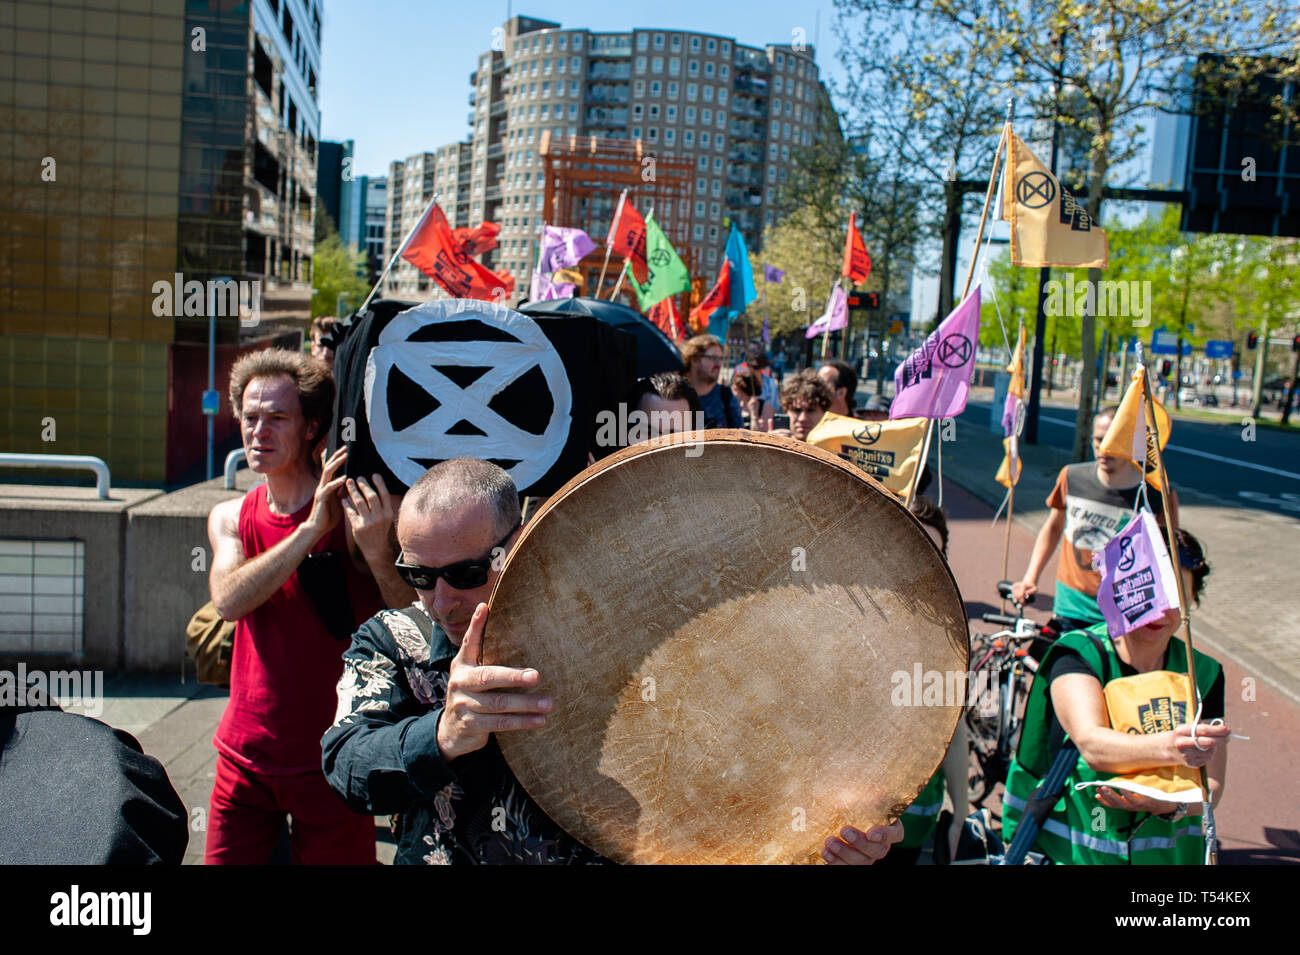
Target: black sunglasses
x,y
465,575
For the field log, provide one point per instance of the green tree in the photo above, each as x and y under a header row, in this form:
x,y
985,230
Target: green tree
x,y
810,255
337,271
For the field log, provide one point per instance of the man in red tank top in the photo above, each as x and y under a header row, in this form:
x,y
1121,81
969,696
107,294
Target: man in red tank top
x,y
286,566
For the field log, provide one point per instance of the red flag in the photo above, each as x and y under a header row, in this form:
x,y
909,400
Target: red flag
x,y
664,314
857,264
477,241
718,296
627,236
434,251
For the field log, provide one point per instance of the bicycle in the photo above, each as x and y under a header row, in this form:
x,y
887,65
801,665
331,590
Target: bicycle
x,y
1001,675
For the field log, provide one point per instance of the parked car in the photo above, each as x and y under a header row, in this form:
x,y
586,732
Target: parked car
x,y
1188,396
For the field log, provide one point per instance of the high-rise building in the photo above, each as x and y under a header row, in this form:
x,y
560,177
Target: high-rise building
x,y
737,113
411,185
141,161
376,193
334,183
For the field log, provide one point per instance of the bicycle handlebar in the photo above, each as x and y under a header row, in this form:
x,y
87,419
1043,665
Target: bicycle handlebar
x,y
1004,591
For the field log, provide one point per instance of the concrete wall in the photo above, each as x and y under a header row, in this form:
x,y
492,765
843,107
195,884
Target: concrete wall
x,y
29,512
166,579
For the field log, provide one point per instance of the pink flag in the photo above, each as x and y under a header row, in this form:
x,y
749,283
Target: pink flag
x,y
562,248
543,288
836,315
1137,576
934,380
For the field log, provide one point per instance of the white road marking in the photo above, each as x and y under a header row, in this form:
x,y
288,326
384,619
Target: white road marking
x,y
1202,454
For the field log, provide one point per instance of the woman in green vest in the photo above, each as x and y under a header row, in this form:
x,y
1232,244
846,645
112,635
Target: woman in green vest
x,y
1102,825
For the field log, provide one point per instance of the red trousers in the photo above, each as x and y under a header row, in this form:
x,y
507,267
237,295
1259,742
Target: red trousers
x,y
248,809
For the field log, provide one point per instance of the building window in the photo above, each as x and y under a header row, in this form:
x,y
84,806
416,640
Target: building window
x,y
573,111
636,132
659,41
655,87
699,208
691,92
780,59
708,93
672,91
642,41
546,90
575,63
717,165
706,116
713,256
704,164
671,114
711,46
785,130
675,42
698,233
657,64
717,188
704,144
724,73
713,232
674,66
693,67
701,186
670,137
688,138
638,88
640,64
726,48
654,110
560,64
695,44
776,84
573,89
708,69
652,134
636,111
562,43
690,114
713,209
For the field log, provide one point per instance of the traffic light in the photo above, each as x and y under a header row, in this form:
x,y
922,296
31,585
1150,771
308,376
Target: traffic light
x,y
1252,339
1295,343
861,301
1166,366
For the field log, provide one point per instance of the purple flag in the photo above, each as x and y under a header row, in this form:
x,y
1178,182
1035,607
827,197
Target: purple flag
x,y
562,248
542,288
836,315
1137,576
772,274
934,380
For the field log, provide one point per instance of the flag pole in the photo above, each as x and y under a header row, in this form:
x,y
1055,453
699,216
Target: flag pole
x,y
609,244
970,274
400,249
1153,449
619,284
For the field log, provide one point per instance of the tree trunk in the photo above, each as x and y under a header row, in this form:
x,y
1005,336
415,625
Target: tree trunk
x,y
948,257
1051,362
1088,322
1261,365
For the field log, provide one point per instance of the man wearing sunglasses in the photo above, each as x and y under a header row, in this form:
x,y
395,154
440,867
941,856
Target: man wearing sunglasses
x,y
414,731
413,734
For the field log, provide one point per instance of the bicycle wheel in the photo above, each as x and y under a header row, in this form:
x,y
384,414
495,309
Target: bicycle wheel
x,y
983,716
1017,698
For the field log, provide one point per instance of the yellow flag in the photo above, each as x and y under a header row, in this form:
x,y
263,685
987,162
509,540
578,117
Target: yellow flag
x,y
571,276
887,450
1128,437
1017,366
1009,470
1048,226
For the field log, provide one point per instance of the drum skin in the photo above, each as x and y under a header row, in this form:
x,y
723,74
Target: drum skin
x,y
735,634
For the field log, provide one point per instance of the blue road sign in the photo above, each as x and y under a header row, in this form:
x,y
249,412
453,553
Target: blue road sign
x,y
1165,342
211,402
1218,349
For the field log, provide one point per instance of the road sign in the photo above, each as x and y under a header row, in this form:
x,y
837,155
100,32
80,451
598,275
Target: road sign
x,y
1165,342
1218,349
211,402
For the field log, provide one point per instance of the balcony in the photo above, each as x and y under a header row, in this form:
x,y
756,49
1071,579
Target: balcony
x,y
609,71
496,150
473,97
498,108
747,130
492,193
743,153
603,116
748,83
607,93
755,60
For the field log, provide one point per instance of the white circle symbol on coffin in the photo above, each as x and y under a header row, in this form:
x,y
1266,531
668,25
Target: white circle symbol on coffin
x,y
463,424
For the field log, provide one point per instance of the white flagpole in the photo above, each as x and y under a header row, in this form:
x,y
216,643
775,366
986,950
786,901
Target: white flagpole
x,y
609,240
619,284
400,249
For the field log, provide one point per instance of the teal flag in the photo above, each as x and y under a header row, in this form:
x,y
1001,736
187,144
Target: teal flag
x,y
668,274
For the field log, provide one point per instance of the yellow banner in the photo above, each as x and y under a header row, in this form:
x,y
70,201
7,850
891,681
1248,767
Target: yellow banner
x,y
887,450
1005,475
1128,437
1048,225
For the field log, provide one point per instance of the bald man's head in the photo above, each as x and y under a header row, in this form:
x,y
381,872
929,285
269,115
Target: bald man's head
x,y
462,484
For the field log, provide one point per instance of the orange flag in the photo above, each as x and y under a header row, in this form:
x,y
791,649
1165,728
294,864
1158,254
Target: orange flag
x,y
857,264
664,314
434,251
628,236
718,296
479,240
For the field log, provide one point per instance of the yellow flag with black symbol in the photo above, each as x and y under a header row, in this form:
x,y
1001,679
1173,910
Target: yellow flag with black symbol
x,y
887,450
1129,437
1048,225
1153,702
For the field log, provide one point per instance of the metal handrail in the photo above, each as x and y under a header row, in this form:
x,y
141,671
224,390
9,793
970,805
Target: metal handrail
x,y
233,460
21,460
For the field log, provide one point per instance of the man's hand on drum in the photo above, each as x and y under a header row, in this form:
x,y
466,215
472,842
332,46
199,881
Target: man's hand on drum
x,y
855,847
479,698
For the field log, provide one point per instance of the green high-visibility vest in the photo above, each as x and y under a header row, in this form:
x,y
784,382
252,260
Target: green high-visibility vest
x,y
1079,830
920,817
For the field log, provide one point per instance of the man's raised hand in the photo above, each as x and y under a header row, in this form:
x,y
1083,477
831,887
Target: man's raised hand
x,y
479,702
325,509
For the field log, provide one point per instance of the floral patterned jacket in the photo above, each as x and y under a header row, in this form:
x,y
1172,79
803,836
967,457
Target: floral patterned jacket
x,y
381,755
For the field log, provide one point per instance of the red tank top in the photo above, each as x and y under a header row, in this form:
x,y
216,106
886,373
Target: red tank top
x,y
285,665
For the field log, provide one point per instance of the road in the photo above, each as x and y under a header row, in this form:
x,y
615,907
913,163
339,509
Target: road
x,y
1233,464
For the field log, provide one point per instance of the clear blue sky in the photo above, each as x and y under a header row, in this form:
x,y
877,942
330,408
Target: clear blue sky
x,y
395,73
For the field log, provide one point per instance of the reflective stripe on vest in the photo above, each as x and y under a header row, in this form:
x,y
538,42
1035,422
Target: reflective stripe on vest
x,y
1062,831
